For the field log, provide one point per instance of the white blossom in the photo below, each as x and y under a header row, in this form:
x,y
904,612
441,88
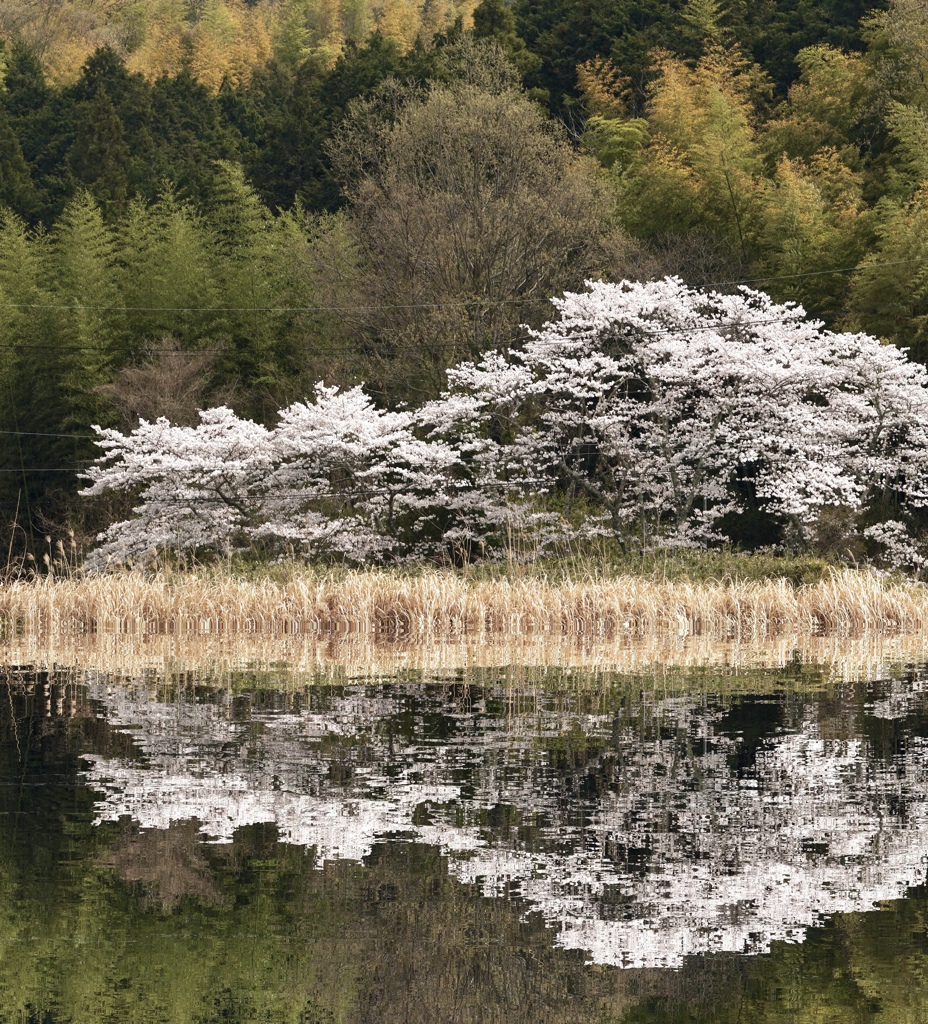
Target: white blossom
x,y
197,486
654,412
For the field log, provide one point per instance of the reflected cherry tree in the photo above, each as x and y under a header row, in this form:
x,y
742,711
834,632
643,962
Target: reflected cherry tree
x,y
643,829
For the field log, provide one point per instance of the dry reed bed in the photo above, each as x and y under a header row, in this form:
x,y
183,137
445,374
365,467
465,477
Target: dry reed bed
x,y
435,605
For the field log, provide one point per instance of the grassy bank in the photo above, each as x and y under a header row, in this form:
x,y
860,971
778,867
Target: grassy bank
x,y
682,565
434,604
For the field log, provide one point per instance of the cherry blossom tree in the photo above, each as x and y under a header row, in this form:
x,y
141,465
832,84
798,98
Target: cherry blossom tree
x,y
663,405
664,408
197,487
356,480
336,476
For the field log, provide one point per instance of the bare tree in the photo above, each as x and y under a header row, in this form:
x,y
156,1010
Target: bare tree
x,y
168,382
468,208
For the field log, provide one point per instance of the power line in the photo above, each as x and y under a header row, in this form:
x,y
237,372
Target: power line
x,y
273,309
42,433
329,347
815,273
379,307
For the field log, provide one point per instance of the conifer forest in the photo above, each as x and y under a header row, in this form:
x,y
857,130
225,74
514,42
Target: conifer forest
x,y
248,216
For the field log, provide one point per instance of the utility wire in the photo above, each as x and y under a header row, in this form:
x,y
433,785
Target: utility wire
x,y
815,273
42,433
330,347
273,309
376,307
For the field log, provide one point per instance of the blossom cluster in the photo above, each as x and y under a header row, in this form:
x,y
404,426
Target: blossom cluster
x,y
654,412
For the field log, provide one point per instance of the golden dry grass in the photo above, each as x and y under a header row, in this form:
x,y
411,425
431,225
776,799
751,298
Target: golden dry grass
x,y
443,605
380,623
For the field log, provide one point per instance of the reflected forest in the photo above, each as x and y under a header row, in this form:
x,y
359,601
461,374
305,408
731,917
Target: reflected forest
x,y
380,851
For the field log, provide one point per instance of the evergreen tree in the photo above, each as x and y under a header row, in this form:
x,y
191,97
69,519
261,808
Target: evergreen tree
x,y
16,188
99,156
25,91
167,274
704,22
63,351
248,286
287,129
292,39
89,331
493,19
565,33
189,135
775,34
105,73
31,386
41,127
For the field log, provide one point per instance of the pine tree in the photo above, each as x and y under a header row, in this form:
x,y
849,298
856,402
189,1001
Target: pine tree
x,y
704,23
33,404
493,19
91,322
246,245
167,273
188,137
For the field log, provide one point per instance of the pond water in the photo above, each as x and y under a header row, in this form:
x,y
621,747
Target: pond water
x,y
742,846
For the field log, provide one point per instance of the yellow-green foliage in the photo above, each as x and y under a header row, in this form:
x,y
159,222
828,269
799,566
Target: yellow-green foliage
x,y
218,39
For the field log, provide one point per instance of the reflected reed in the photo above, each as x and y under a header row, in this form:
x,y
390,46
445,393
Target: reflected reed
x,y
552,660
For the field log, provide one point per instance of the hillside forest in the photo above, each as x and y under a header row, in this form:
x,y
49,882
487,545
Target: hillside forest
x,y
214,203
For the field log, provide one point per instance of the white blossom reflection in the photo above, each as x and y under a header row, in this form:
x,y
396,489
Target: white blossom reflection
x,y
643,833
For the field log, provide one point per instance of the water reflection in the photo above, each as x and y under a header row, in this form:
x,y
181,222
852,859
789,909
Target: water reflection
x,y
644,827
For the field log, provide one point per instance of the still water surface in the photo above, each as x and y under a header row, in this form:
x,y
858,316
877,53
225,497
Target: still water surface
x,y
743,847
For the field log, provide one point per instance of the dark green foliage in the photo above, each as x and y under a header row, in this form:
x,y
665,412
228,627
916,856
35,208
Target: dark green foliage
x,y
190,132
565,33
99,156
113,133
284,122
286,115
493,19
16,188
775,33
